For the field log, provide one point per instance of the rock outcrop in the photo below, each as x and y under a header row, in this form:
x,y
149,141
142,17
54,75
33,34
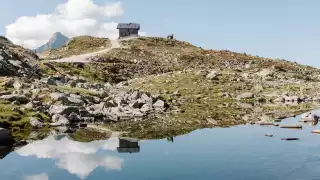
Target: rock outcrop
x,y
14,63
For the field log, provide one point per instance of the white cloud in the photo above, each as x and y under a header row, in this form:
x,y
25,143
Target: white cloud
x,y
73,18
83,164
75,157
42,176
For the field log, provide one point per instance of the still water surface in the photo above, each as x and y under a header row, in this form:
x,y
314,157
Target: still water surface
x,y
240,152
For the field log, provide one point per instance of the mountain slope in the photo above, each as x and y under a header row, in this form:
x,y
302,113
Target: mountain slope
x,y
56,41
16,60
203,88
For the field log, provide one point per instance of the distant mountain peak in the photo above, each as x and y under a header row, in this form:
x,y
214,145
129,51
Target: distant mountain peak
x,y
57,40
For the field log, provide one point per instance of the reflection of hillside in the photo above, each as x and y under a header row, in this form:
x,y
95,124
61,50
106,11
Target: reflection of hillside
x,y
127,145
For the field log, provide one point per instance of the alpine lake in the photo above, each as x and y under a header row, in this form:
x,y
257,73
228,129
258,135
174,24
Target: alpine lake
x,y
239,152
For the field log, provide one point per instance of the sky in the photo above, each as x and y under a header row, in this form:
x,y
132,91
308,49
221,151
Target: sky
x,y
288,29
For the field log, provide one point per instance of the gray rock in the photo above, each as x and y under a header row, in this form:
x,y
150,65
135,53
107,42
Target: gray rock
x,y
57,96
74,101
22,99
63,110
17,85
35,123
55,118
29,106
146,98
309,117
73,117
212,121
246,95
159,105
213,75
134,96
110,103
146,108
63,121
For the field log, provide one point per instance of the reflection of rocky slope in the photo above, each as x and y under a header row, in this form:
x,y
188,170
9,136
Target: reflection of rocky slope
x,y
77,158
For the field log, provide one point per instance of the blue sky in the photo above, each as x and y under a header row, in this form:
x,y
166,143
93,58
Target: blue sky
x,y
287,29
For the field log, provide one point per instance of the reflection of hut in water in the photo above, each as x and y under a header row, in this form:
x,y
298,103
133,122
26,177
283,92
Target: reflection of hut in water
x,y
128,145
170,139
4,151
59,137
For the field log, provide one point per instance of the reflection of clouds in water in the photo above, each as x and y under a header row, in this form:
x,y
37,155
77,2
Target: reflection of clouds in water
x,y
83,164
42,176
76,157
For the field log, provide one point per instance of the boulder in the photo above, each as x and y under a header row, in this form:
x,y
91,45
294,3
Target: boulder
x,y
307,117
212,75
63,110
73,101
22,99
35,123
159,105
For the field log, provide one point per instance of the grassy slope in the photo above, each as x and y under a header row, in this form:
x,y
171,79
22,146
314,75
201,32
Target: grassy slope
x,y
77,45
164,67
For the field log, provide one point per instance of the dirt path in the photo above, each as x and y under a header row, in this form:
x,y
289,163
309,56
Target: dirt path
x,y
84,57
